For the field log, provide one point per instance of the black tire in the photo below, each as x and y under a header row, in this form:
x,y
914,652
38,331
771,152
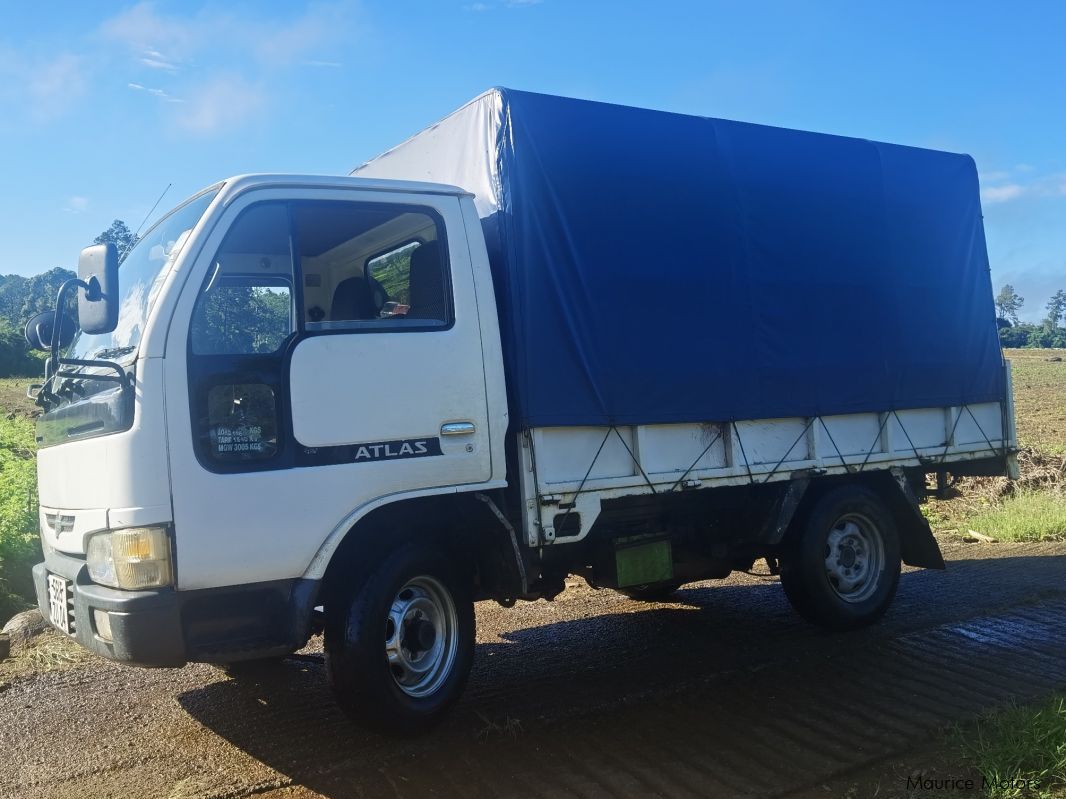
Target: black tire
x,y
820,589
367,687
653,592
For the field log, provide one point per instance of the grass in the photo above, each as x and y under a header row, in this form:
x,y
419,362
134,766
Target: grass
x,y
1034,508
50,651
19,544
1020,751
1026,516
13,399
1040,398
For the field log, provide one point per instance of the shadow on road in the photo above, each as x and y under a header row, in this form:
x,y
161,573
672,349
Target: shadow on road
x,y
726,670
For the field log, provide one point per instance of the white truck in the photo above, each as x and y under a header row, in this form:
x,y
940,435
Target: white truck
x,y
643,348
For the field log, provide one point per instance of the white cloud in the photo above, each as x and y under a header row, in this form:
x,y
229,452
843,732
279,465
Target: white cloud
x,y
1053,185
50,88
153,59
223,102
36,90
476,7
76,204
168,41
1002,194
162,95
147,33
216,65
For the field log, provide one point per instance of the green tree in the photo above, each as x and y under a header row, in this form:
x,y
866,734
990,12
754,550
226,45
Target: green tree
x,y
120,235
41,291
1056,310
16,358
1014,336
1008,303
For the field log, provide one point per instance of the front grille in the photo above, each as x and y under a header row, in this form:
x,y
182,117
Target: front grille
x,y
58,523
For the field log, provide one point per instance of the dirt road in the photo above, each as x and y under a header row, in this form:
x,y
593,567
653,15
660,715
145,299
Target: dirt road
x,y
724,692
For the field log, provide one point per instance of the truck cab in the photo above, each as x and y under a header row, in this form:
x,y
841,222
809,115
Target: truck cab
x,y
299,352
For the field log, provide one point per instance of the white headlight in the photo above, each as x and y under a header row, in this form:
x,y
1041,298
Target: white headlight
x,y
138,557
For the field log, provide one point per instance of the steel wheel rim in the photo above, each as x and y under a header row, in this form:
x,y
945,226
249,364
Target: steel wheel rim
x,y
854,557
421,636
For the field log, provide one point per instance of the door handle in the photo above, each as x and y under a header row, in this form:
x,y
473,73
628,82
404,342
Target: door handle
x,y
457,428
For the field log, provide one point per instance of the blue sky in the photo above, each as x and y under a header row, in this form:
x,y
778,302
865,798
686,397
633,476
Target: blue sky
x,y
104,104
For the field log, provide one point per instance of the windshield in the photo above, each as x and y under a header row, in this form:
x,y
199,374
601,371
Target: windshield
x,y
140,277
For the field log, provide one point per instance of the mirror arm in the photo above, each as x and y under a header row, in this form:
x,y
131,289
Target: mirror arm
x,y
57,325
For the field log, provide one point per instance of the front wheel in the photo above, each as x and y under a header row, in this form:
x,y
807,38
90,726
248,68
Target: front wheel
x,y
842,570
399,646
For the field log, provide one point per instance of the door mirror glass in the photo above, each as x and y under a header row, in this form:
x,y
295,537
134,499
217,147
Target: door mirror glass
x,y
98,305
39,331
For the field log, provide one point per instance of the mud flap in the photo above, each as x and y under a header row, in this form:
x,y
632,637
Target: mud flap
x,y
778,520
918,546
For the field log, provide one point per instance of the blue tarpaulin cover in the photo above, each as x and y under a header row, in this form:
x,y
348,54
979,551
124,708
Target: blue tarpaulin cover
x,y
654,267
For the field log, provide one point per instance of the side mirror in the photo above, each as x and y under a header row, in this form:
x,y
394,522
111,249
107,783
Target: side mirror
x,y
39,331
98,305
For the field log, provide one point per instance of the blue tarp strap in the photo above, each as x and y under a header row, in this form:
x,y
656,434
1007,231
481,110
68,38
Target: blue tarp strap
x,y
951,435
908,435
843,462
692,466
789,452
581,485
634,457
870,451
736,432
982,430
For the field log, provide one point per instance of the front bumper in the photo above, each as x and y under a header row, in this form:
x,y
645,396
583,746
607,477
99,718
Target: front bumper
x,y
165,627
145,625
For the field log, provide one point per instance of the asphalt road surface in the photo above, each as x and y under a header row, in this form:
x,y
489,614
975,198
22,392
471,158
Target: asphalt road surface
x,y
723,692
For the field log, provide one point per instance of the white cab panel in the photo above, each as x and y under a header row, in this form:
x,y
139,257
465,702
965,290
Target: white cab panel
x,y
88,479
346,388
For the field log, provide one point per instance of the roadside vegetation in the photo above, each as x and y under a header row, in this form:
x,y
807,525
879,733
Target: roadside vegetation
x,y
19,544
1026,516
1020,751
1051,332
1033,508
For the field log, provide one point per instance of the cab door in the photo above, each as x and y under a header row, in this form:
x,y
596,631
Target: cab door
x,y
389,375
329,355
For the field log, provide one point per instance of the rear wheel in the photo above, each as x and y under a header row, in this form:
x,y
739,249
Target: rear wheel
x,y
842,570
399,645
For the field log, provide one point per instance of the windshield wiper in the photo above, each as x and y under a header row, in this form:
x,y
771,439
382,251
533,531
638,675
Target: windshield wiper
x,y
113,352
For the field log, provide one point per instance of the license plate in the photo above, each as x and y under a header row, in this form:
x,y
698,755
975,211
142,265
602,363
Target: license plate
x,y
58,610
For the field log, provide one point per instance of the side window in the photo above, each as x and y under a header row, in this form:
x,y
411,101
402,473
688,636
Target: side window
x,y
243,318
244,315
392,271
301,267
246,305
369,266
